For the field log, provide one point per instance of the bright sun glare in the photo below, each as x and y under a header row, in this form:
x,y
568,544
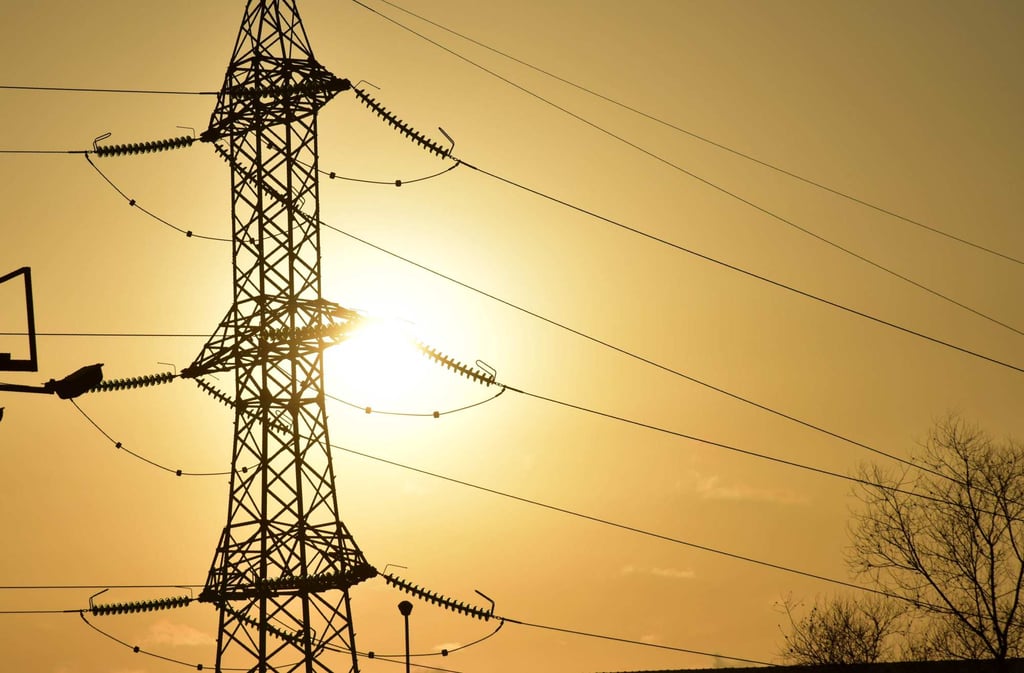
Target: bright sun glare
x,y
378,366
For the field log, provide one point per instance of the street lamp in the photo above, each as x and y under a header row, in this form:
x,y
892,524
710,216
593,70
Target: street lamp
x,y
405,607
74,384
71,386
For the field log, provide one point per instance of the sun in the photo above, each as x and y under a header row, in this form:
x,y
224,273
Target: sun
x,y
378,365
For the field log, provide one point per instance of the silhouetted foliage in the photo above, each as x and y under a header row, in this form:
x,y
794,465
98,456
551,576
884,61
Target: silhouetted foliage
x,y
957,558
842,630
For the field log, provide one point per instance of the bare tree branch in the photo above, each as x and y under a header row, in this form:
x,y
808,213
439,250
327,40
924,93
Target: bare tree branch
x,y
956,557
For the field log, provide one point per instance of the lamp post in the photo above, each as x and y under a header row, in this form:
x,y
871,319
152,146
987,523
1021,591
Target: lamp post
x,y
405,607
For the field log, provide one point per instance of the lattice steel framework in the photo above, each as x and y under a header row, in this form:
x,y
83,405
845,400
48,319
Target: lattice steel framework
x,y
285,562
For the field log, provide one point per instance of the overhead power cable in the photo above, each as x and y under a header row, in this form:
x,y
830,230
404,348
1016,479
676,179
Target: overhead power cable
x,y
697,136
619,349
764,279
598,341
621,225
643,359
488,379
389,659
200,667
69,89
446,652
106,335
624,351
469,372
398,182
117,150
432,597
10,151
692,134
110,609
577,632
139,650
429,414
133,203
644,643
66,587
579,515
745,452
395,183
701,179
120,446
632,529
435,147
605,522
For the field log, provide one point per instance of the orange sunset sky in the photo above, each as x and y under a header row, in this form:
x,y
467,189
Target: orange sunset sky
x,y
913,107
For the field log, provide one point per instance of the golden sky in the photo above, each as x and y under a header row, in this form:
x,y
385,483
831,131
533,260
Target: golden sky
x,y
911,106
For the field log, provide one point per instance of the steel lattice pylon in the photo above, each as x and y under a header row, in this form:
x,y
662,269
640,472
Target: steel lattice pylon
x,y
285,562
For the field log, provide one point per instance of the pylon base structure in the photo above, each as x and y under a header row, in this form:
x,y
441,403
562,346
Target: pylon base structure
x,y
285,563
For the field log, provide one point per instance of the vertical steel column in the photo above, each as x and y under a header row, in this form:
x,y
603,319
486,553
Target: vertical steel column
x,y
285,562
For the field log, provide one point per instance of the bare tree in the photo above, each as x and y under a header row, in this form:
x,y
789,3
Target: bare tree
x,y
842,630
956,554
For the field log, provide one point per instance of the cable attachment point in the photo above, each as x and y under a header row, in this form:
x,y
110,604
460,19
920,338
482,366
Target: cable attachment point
x,y
141,148
91,598
486,377
133,382
214,393
437,599
401,126
97,139
334,330
491,372
450,139
139,606
487,598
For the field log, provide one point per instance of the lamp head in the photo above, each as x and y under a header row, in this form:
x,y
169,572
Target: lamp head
x,y
78,382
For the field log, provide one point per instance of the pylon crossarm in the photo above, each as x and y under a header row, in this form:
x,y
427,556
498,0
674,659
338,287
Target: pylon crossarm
x,y
288,584
280,343
282,91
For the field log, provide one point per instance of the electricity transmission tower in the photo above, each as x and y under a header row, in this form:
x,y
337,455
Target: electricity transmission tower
x,y
285,562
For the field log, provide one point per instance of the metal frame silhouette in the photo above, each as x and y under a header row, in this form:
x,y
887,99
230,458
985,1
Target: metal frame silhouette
x,y
285,562
7,362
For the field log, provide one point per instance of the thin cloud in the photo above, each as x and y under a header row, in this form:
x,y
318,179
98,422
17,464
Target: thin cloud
x,y
168,633
669,573
712,488
447,646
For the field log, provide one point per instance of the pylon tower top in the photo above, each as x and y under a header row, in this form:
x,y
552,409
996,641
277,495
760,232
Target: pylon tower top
x,y
272,61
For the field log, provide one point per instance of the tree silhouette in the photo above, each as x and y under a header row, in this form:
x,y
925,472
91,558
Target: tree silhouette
x,y
957,557
842,630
